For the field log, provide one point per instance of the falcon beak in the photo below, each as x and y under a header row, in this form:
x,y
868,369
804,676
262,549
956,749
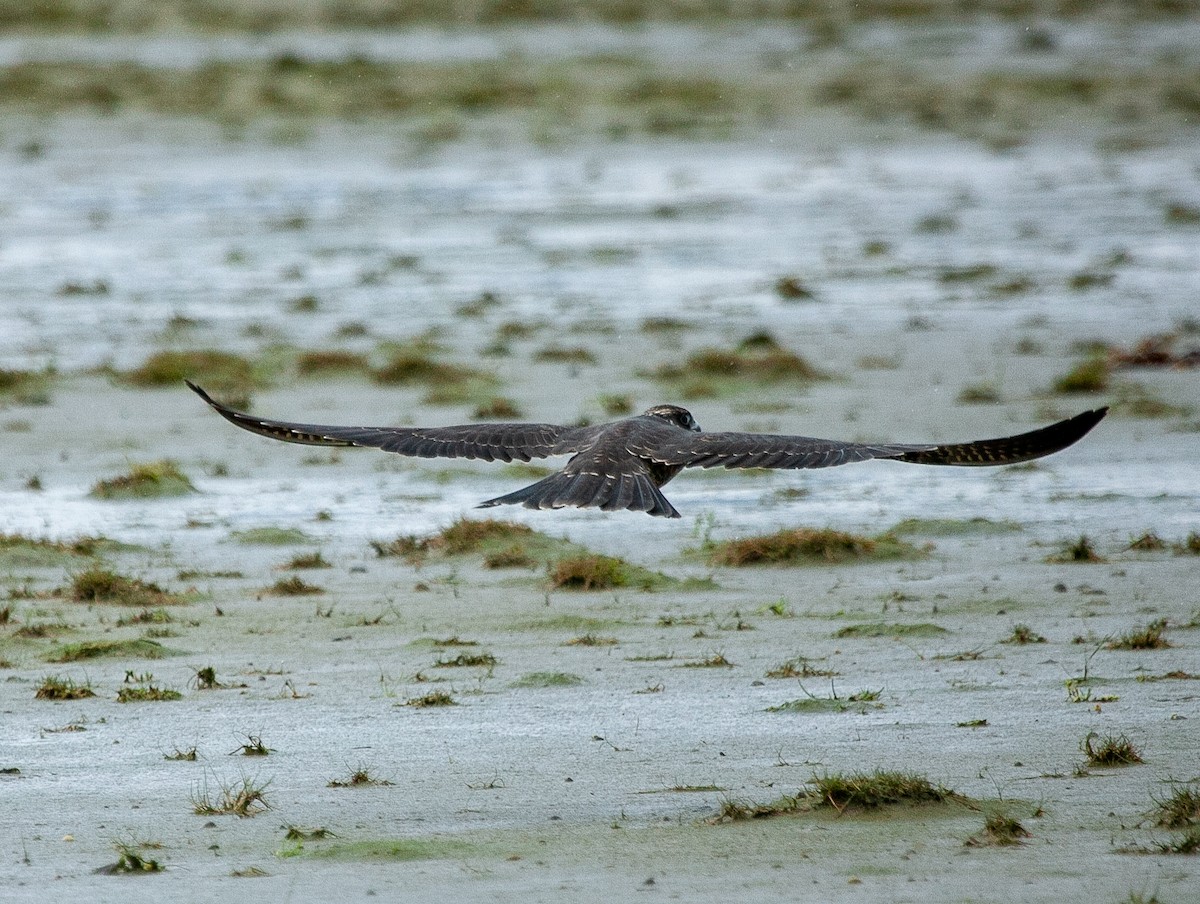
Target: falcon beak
x,y
696,427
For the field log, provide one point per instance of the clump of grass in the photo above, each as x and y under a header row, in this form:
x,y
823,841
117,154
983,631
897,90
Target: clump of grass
x,y
870,790
54,687
144,690
844,792
445,383
102,585
308,560
715,660
183,754
359,777
130,859
999,831
515,556
592,571
802,546
1189,546
1109,750
151,480
791,288
336,361
979,394
252,746
1089,376
293,586
1023,634
953,527
243,798
205,679
798,667
890,629
1186,843
432,699
591,640
1147,542
463,536
758,360
156,616
467,660
272,536
546,679
1151,637
1081,551
141,648
1179,810
20,550
562,354
615,405
222,371
496,408
25,387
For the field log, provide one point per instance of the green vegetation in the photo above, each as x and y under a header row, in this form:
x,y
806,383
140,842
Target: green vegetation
x,y
999,830
20,551
293,586
1151,637
25,387
1089,376
59,688
363,775
798,667
147,693
1109,750
130,859
1180,809
882,629
231,375
467,660
1023,634
599,572
243,798
858,702
546,679
308,560
953,527
317,363
844,793
757,361
1081,551
433,698
139,648
810,546
414,365
272,536
102,585
151,480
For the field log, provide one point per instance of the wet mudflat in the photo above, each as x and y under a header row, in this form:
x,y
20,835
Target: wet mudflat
x,y
304,677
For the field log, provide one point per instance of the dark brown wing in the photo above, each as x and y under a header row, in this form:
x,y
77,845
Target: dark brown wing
x,y
763,450
1009,450
490,442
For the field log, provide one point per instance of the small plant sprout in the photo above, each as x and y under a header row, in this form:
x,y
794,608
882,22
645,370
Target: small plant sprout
x,y
1023,634
999,830
432,699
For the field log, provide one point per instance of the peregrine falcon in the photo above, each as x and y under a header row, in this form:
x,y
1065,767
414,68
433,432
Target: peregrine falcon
x,y
623,464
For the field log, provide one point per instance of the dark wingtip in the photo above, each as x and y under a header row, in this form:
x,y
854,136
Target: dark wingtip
x,y
200,392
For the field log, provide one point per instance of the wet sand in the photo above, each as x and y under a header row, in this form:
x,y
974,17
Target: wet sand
x,y
954,283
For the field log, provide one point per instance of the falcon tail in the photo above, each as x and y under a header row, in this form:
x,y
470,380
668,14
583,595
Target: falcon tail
x,y
631,492
1010,449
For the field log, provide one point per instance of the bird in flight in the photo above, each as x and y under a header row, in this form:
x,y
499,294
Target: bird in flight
x,y
623,465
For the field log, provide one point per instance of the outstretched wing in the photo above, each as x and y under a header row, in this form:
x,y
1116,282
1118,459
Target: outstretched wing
x,y
764,450
490,442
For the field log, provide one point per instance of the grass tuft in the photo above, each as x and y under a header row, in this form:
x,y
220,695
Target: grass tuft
x,y
1023,634
807,546
224,372
102,585
1151,637
999,831
141,648
243,798
152,480
1081,551
1179,810
1109,750
592,571
293,586
432,699
54,687
546,679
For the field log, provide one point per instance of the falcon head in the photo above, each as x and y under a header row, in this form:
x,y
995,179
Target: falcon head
x,y
674,415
